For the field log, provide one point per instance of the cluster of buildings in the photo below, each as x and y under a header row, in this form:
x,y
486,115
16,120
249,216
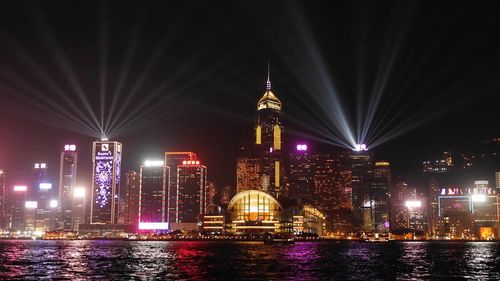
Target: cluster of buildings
x,y
340,193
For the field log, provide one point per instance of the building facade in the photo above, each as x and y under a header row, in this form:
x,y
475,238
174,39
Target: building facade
x,y
380,196
173,160
154,177
106,160
67,179
191,192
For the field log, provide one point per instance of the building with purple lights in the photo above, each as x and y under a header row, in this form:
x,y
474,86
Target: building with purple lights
x,y
106,159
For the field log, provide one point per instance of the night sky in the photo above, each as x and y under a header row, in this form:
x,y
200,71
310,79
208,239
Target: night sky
x,y
197,70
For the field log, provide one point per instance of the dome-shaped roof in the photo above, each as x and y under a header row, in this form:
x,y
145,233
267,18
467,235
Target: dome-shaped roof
x,y
253,193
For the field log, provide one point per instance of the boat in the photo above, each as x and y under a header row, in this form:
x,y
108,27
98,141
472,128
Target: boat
x,y
378,239
279,241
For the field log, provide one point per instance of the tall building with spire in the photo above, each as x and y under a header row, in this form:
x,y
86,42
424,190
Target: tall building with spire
x,y
269,142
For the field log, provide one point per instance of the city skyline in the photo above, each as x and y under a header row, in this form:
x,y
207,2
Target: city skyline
x,y
232,78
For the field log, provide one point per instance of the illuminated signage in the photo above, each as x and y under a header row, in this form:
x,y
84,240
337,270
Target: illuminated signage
x,y
302,147
40,165
69,147
31,204
103,175
45,186
19,188
190,162
153,225
360,147
153,163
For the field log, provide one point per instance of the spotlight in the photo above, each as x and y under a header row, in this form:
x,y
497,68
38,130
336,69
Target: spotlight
x,y
104,138
360,147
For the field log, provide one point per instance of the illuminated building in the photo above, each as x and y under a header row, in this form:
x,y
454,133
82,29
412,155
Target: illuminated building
x,y
30,212
300,175
213,223
442,165
254,211
211,192
269,142
3,208
191,193
332,182
497,180
227,194
154,177
41,218
79,207
417,212
106,159
67,177
455,207
399,211
248,174
131,199
433,211
380,195
361,178
19,196
173,160
309,220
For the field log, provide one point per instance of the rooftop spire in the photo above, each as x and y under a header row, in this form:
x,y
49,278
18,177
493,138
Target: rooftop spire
x,y
268,83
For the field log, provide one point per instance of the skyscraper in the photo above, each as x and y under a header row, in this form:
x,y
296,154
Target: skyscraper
x,y
191,191
173,160
399,211
79,207
433,207
67,177
152,195
106,159
42,217
362,174
3,210
248,174
380,195
332,181
131,199
19,196
269,141
300,177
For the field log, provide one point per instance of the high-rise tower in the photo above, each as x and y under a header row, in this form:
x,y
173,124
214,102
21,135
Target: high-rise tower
x,y
67,175
106,159
154,176
3,213
380,196
173,160
268,138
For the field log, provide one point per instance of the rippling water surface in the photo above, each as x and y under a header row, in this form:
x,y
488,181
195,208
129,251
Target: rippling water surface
x,y
126,260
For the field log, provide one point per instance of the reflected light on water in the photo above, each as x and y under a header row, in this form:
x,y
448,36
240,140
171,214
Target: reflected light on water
x,y
139,260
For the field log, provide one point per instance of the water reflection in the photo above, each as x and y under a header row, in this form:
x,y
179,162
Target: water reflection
x,y
101,260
